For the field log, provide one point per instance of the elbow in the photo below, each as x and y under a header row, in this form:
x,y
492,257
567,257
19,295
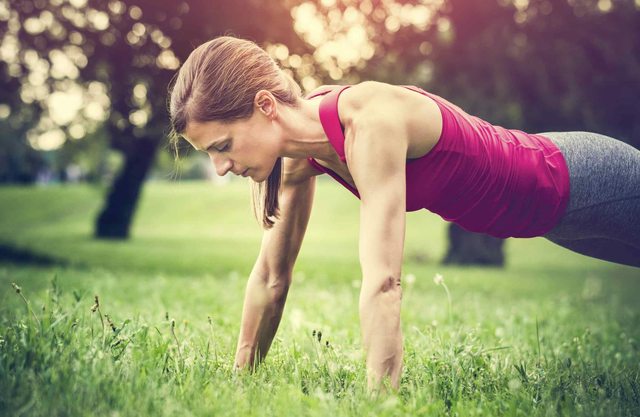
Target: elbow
x,y
275,281
266,287
390,284
278,288
388,291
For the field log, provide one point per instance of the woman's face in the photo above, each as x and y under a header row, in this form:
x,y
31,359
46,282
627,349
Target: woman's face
x,y
249,146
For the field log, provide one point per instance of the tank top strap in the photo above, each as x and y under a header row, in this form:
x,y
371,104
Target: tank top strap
x,y
331,121
414,88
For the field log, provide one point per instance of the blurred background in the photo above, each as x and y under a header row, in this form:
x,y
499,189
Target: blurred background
x,y
92,204
84,82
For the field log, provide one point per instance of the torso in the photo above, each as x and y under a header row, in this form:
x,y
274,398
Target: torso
x,y
484,177
423,120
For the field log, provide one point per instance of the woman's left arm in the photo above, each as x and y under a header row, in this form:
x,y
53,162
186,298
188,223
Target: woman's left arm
x,y
376,155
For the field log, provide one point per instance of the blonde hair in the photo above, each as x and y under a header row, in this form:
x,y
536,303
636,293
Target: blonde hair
x,y
219,81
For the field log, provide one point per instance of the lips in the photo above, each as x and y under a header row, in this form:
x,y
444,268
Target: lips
x,y
244,174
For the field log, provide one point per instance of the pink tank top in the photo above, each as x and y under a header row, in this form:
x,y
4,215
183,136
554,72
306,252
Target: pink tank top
x,y
485,178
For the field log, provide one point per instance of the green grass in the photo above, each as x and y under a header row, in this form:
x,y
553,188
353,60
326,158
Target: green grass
x,y
551,333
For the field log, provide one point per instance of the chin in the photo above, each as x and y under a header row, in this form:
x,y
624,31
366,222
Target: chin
x,y
257,178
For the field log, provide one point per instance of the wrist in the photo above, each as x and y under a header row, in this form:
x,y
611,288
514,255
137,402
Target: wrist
x,y
243,357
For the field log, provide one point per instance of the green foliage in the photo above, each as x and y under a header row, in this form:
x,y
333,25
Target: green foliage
x,y
535,65
553,333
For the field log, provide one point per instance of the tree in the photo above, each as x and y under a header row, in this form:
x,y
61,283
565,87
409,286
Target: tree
x,y
134,48
20,162
538,65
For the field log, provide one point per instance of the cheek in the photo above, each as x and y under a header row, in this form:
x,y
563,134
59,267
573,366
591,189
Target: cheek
x,y
261,154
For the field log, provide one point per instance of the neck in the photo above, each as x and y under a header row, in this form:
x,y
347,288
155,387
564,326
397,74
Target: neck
x,y
303,134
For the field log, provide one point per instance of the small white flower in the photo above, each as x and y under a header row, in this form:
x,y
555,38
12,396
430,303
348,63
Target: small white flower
x,y
438,279
410,279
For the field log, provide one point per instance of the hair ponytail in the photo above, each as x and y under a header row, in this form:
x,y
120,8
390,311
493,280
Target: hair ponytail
x,y
265,201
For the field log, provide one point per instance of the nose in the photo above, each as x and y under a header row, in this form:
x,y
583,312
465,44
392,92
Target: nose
x,y
221,164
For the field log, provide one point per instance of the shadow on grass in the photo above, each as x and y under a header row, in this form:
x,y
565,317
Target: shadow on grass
x,y
13,254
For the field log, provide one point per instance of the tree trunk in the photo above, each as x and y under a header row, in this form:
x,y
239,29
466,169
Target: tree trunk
x,y
115,218
468,248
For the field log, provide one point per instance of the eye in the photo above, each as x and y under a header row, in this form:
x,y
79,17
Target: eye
x,y
224,148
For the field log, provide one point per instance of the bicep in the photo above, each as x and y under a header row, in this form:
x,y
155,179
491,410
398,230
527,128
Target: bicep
x,y
376,151
376,145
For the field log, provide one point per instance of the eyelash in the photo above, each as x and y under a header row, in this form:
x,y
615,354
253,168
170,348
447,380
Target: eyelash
x,y
224,148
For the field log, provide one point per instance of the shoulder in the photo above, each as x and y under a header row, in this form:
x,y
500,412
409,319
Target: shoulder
x,y
371,116
364,93
373,112
379,110
368,99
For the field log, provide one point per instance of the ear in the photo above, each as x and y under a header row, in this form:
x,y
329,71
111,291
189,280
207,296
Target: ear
x,y
266,103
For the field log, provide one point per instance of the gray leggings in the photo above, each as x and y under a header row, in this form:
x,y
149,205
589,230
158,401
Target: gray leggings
x,y
602,219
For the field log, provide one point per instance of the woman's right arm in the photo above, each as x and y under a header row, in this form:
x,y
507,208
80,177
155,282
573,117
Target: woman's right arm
x,y
270,278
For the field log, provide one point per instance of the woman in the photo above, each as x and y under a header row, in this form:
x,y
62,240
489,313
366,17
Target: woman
x,y
398,149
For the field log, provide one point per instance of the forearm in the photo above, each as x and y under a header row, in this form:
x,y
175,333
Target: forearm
x,y
263,305
270,278
381,333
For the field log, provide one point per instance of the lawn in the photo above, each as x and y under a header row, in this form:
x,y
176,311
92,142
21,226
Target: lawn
x,y
551,333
